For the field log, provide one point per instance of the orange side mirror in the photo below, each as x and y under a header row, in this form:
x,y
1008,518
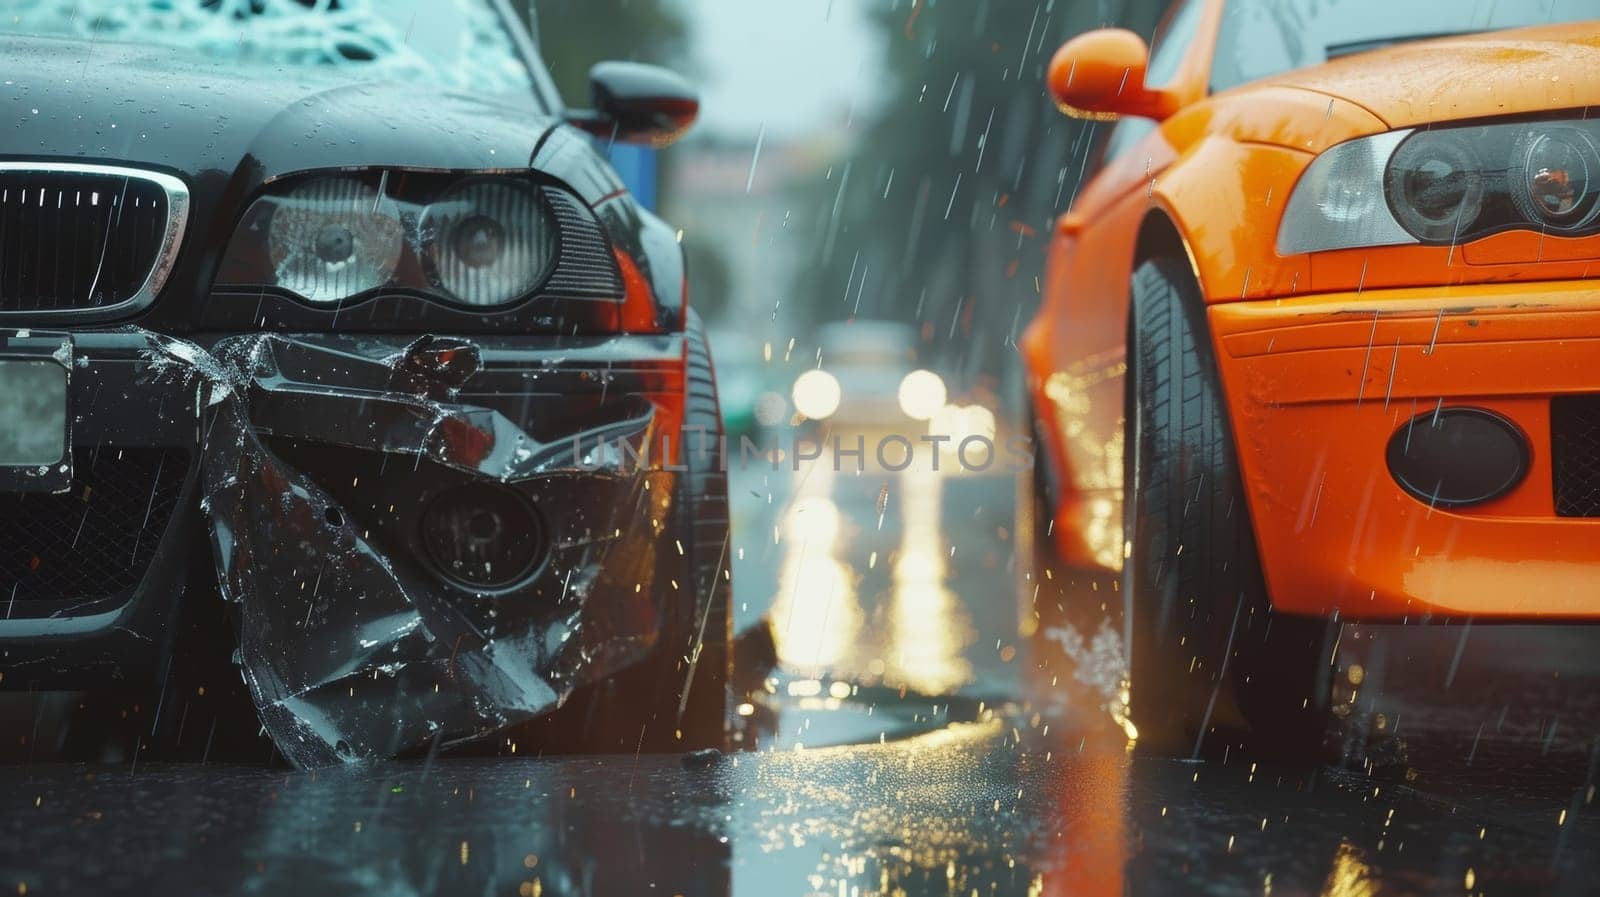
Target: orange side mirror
x,y
1100,74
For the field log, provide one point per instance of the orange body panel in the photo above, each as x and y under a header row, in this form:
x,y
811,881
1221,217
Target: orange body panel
x,y
1316,386
1324,355
1078,339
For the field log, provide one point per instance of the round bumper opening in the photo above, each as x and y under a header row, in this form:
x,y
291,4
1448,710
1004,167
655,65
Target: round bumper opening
x,y
1456,457
483,536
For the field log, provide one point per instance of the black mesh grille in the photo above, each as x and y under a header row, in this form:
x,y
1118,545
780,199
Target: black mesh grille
x,y
72,240
1575,454
97,539
586,268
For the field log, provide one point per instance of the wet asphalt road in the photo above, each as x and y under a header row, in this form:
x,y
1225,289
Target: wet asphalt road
x,y
906,749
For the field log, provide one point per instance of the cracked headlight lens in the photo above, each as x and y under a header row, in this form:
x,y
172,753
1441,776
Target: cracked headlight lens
x,y
483,241
328,241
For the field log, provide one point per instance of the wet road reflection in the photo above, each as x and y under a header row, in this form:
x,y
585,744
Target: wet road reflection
x,y
967,809
928,625
815,615
834,568
908,753
873,638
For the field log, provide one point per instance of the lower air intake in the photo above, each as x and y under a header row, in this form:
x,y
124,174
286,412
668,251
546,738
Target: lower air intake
x,y
1575,454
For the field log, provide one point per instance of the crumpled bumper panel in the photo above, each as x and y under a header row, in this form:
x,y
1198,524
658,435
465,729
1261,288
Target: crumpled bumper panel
x,y
350,646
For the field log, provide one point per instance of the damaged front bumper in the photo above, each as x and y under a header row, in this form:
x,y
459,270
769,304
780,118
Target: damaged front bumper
x,y
311,465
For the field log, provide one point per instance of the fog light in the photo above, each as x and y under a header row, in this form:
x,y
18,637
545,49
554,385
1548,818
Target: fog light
x,y
483,536
1458,456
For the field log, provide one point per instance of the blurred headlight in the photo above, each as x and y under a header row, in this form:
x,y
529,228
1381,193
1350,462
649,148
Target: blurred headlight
x,y
817,394
922,394
1448,185
980,422
961,422
480,241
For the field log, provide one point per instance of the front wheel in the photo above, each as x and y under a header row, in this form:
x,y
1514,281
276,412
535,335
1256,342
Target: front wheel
x,y
676,697
1211,665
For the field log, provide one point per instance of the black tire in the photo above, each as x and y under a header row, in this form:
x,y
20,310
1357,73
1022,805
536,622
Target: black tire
x,y
1212,668
1042,528
676,698
1039,602
1039,590
702,703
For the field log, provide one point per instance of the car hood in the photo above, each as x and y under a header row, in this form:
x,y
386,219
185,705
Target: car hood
x,y
1527,70
156,107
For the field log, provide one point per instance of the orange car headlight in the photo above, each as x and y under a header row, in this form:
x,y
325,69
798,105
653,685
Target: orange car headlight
x,y
1447,185
1339,202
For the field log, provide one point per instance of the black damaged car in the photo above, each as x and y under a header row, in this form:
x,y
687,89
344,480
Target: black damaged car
x,y
344,386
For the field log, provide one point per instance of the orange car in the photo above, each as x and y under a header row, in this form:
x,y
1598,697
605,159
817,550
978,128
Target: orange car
x,y
1320,339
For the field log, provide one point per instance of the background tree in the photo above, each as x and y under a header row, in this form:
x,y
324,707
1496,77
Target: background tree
x,y
575,34
940,215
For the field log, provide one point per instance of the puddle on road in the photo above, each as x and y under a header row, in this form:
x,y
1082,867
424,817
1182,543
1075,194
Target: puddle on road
x,y
872,636
993,807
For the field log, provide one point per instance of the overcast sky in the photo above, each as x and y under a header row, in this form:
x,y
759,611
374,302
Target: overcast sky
x,y
792,65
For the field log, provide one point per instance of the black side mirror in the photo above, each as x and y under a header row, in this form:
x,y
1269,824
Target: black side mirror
x,y
636,103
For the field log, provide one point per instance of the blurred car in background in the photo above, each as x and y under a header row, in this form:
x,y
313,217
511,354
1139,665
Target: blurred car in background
x,y
1317,341
862,380
860,367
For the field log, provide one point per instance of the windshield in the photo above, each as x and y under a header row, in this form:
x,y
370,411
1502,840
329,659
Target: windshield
x,y
1261,38
453,44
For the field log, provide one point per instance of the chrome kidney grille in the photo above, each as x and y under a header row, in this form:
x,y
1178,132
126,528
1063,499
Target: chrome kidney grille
x,y
81,240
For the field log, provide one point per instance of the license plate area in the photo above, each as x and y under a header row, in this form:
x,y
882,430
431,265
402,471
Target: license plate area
x,y
35,411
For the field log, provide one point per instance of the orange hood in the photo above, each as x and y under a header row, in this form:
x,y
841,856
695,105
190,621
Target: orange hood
x,y
1549,67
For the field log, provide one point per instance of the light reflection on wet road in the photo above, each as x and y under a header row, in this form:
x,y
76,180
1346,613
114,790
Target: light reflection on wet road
x,y
863,603
906,757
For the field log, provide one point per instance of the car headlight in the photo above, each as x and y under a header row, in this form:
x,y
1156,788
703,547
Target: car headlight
x,y
1434,183
489,240
922,394
1339,202
817,394
327,242
1554,177
481,241
1447,185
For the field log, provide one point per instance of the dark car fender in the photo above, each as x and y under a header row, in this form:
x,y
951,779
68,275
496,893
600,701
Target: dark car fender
x,y
648,243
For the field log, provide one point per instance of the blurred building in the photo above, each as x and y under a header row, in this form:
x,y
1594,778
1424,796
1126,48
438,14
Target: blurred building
x,y
748,225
